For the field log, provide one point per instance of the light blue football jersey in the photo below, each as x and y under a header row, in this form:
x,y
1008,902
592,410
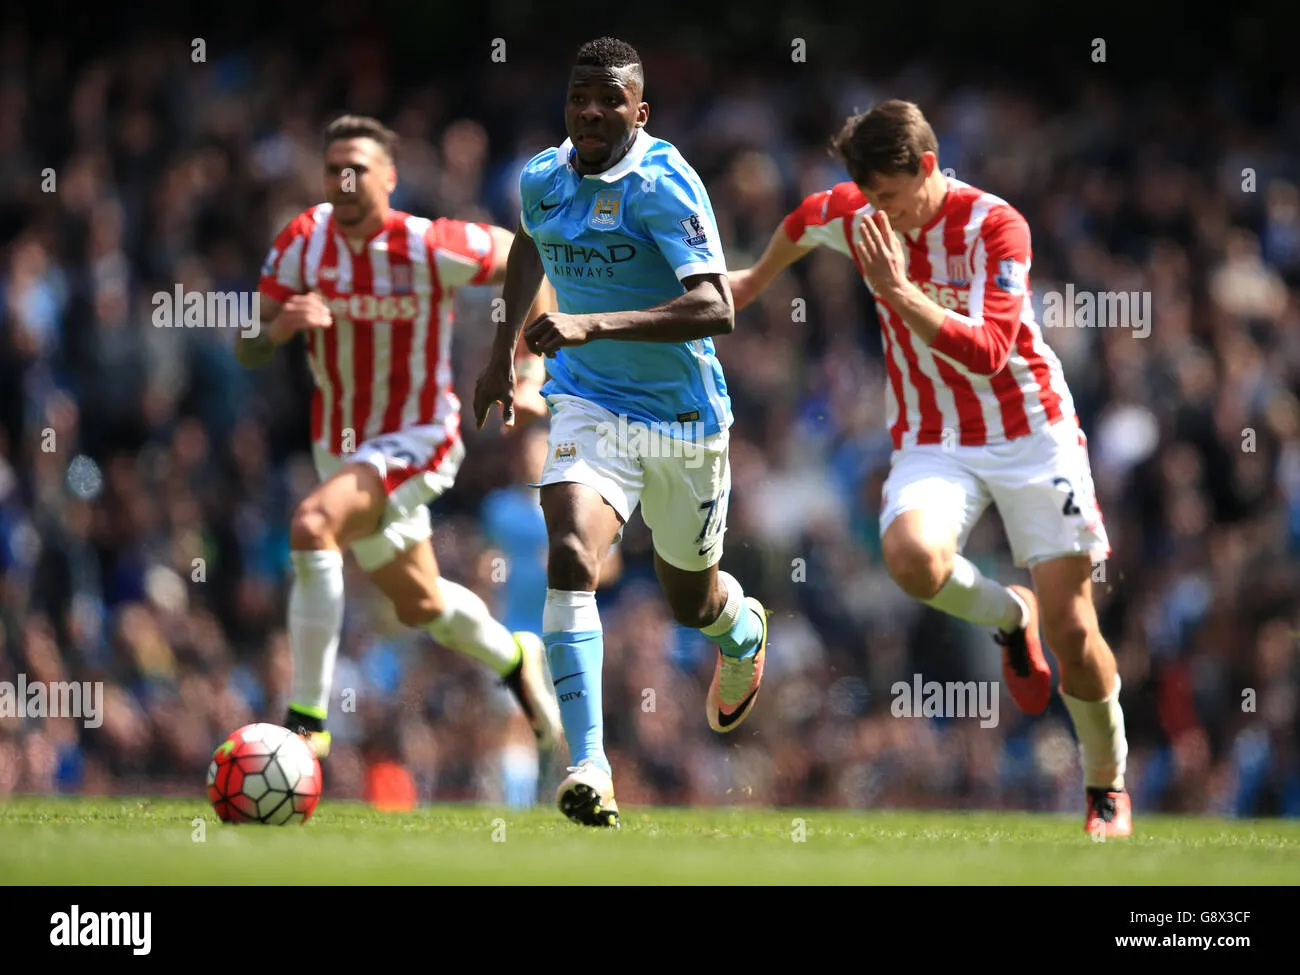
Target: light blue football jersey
x,y
623,240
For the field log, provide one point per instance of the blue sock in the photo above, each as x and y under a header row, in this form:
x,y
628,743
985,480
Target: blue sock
x,y
575,650
738,632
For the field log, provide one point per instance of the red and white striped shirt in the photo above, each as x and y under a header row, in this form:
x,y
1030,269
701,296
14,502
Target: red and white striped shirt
x,y
385,363
989,376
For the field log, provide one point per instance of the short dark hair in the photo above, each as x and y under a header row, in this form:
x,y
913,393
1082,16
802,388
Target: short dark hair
x,y
610,52
362,127
887,140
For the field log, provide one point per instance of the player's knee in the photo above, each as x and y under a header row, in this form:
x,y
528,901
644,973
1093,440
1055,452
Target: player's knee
x,y
572,565
311,527
918,567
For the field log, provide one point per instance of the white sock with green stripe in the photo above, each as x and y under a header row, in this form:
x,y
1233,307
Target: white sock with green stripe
x,y
315,626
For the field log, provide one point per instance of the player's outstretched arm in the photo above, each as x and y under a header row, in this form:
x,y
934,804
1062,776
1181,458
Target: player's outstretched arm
x,y
748,283
523,278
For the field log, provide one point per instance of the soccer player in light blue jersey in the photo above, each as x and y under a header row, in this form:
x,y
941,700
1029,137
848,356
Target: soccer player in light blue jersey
x,y
622,227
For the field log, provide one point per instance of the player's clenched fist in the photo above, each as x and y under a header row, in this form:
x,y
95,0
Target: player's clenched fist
x,y
554,330
301,312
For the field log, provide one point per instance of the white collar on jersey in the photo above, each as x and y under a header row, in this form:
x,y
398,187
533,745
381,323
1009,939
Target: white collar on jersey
x,y
620,169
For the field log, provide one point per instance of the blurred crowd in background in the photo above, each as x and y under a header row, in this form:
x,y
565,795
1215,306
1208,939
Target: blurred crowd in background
x,y
147,481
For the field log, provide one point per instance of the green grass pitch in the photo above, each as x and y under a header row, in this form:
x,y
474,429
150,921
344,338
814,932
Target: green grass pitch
x,y
143,841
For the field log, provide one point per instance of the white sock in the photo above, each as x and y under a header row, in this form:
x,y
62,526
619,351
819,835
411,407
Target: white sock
x,y
466,626
972,596
1100,727
315,625
726,620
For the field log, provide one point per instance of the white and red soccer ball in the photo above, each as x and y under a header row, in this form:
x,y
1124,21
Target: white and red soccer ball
x,y
263,773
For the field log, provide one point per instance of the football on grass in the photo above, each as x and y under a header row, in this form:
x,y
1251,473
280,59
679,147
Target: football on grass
x,y
265,774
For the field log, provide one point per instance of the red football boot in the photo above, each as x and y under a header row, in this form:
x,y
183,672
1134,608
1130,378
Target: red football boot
x,y
1028,677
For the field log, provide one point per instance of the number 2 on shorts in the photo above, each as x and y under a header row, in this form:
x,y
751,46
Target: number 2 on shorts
x,y
392,447
1069,508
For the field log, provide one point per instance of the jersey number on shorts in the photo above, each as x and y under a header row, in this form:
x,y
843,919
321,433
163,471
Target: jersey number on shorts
x,y
392,447
1070,508
717,511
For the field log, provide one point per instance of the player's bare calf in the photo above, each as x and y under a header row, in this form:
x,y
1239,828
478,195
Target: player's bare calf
x,y
1089,687
1070,626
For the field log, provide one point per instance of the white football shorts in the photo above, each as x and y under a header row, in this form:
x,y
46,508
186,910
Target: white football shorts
x,y
1041,484
681,484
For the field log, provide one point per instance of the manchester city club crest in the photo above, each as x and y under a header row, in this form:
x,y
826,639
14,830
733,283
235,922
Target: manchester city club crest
x,y
607,211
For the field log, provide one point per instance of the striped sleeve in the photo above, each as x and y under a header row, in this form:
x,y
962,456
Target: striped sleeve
x,y
819,219
983,340
282,271
803,224
462,252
